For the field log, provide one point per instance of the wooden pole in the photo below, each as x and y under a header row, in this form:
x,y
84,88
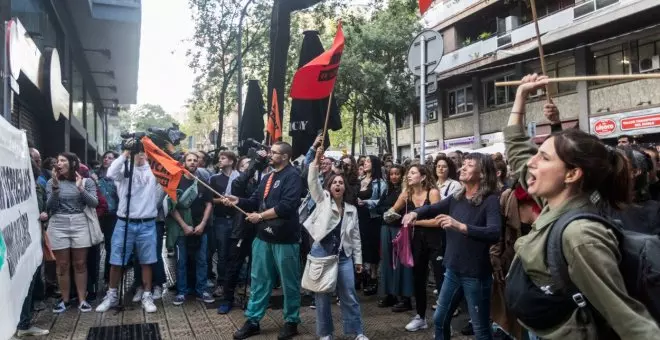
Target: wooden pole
x,y
541,54
215,192
327,118
589,78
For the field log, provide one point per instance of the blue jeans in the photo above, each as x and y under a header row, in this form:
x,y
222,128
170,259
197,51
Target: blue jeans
x,y
477,293
158,268
222,233
200,266
350,305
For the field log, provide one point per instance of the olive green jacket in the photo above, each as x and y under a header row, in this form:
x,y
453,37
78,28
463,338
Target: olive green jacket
x,y
592,254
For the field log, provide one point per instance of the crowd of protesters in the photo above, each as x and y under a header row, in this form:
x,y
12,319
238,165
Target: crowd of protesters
x,y
478,222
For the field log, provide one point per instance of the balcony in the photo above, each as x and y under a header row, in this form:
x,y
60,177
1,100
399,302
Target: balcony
x,y
488,47
116,10
447,9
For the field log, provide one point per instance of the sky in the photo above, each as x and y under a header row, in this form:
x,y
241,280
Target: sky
x,y
164,77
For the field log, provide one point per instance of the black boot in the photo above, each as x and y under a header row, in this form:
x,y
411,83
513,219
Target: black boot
x,y
287,332
249,329
387,301
372,288
404,305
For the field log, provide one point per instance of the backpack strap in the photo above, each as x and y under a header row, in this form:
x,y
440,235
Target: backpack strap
x,y
554,254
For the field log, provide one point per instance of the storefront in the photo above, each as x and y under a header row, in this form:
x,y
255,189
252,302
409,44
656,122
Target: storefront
x,y
644,123
463,142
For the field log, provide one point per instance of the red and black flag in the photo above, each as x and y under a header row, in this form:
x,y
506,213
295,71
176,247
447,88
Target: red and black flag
x,y
274,127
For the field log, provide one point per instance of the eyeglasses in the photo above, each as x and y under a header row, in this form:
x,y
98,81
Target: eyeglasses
x,y
273,152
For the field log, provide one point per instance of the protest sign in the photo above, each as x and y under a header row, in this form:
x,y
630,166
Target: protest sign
x,y
20,230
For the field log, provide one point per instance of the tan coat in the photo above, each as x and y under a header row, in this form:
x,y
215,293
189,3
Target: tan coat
x,y
501,256
592,254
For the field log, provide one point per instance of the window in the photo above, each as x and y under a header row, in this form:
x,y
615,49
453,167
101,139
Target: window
x,y
77,95
460,101
403,120
90,114
494,96
614,60
561,68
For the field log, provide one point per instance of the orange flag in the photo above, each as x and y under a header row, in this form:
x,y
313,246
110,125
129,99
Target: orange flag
x,y
274,127
168,172
424,6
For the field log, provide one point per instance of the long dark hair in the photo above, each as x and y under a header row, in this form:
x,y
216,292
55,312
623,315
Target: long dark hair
x,y
488,183
604,169
450,165
352,174
639,160
349,196
376,171
74,165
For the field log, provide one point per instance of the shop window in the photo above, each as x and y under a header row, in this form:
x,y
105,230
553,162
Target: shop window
x,y
498,95
90,114
615,60
460,101
99,134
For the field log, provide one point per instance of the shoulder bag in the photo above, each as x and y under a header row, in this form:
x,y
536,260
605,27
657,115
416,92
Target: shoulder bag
x,y
93,224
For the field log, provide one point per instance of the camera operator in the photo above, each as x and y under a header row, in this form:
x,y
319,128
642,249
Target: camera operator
x,y
242,232
276,249
223,217
137,230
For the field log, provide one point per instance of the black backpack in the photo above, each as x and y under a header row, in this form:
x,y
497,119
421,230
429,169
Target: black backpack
x,y
639,266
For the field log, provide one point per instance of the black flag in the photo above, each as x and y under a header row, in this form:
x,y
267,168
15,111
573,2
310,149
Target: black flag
x,y
252,121
308,116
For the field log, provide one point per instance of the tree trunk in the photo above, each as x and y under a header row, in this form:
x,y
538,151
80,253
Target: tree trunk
x,y
388,128
221,117
353,133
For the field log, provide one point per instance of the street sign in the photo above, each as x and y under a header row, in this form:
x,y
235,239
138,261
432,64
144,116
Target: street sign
x,y
431,84
434,50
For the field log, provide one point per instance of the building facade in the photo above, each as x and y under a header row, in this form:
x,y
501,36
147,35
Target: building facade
x,y
69,64
486,41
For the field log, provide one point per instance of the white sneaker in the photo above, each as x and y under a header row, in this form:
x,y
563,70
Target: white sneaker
x,y
416,324
361,337
32,331
148,303
110,300
138,295
158,293
327,337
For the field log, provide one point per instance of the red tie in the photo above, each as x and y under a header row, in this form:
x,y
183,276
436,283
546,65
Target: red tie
x,y
268,184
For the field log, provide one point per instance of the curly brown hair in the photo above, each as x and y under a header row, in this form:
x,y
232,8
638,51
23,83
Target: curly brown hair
x,y
428,182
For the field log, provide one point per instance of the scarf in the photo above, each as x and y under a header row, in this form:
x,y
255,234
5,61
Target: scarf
x,y
523,197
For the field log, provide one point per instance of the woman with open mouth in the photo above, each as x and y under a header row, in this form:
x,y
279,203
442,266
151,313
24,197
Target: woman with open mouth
x,y
571,171
334,228
472,223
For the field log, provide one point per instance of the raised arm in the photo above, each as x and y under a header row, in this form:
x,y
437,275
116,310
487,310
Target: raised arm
x,y
115,172
313,182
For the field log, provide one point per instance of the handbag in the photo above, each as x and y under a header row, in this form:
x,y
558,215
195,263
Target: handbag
x,y
401,249
320,275
93,224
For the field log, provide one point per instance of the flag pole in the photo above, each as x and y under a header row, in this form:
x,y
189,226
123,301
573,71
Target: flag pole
x,y
588,78
327,117
215,192
541,54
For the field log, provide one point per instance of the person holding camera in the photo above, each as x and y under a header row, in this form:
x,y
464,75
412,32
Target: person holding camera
x,y
276,249
137,231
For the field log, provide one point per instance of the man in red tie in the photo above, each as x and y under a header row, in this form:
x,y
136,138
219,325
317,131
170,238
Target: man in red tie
x,y
276,249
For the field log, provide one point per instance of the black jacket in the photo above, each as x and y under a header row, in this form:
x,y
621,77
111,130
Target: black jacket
x,y
284,198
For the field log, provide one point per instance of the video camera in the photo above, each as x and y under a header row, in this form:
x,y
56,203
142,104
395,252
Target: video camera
x,y
253,146
165,139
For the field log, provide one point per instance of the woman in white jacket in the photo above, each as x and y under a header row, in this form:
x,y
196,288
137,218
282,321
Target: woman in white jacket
x,y
334,227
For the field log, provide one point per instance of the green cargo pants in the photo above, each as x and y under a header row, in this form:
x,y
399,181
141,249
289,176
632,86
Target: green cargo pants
x,y
269,259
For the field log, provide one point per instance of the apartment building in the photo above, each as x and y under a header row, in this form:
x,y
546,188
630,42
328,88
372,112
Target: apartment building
x,y
486,41
71,64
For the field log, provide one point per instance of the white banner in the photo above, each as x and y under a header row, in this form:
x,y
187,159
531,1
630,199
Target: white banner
x,y
20,236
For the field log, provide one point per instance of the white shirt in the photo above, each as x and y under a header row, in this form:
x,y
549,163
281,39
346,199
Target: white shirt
x,y
145,191
448,188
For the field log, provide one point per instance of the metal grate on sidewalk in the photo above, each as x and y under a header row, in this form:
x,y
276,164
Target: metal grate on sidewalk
x,y
142,331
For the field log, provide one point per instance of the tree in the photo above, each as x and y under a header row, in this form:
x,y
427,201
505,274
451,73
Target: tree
x,y
214,57
142,117
373,79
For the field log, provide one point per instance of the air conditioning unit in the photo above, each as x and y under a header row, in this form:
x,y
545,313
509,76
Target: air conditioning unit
x,y
432,115
649,64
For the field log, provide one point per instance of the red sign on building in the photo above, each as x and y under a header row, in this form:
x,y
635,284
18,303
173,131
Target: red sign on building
x,y
641,122
604,127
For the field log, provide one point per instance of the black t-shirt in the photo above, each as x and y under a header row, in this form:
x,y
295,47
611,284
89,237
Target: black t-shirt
x,y
203,196
219,183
